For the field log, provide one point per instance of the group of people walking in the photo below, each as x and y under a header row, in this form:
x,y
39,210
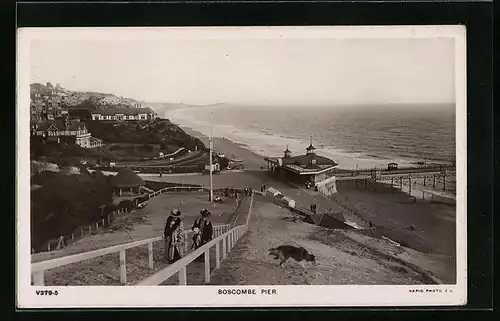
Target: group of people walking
x,y
174,234
247,191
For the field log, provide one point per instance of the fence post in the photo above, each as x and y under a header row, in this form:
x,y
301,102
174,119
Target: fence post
x,y
150,255
90,228
217,255
123,268
182,276
48,246
81,230
207,266
97,226
102,222
38,278
72,236
224,252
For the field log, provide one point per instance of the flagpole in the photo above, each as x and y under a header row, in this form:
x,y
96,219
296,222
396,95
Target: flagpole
x,y
211,148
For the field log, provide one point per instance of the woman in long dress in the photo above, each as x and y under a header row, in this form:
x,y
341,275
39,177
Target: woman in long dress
x,y
174,237
203,230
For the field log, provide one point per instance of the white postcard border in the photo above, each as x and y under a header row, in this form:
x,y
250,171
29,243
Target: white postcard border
x,y
207,296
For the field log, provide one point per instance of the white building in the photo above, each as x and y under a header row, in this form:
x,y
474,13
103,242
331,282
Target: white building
x,y
69,131
123,113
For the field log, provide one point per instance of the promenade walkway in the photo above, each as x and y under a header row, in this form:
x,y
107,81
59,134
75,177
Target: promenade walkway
x,y
343,257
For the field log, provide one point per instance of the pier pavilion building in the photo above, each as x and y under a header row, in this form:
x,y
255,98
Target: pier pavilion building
x,y
308,169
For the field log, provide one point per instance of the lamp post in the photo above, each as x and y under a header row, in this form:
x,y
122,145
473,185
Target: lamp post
x,y
210,143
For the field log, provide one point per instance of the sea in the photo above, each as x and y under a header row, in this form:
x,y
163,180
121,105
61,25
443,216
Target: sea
x,y
354,136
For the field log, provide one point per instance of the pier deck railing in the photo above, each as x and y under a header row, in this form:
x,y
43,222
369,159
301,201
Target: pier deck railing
x,y
38,269
227,240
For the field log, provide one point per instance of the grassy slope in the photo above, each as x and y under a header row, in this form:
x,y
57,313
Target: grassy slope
x,y
123,141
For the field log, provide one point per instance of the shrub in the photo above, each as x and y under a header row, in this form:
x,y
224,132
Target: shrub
x,y
64,203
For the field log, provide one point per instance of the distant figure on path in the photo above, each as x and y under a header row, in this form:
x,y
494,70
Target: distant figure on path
x,y
174,237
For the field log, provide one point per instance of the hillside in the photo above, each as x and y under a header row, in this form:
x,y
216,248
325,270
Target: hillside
x,y
124,141
71,99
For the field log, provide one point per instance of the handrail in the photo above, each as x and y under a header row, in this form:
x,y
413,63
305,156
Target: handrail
x,y
181,264
38,268
228,240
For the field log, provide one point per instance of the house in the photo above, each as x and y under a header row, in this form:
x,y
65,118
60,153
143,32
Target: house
x,y
64,131
123,113
309,169
46,102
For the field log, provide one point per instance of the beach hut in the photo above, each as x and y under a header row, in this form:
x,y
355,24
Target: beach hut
x,y
127,181
290,202
274,192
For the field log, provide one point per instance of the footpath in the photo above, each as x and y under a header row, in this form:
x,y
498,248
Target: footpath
x,y
343,256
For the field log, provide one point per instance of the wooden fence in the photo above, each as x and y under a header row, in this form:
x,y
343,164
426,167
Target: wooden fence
x,y
64,240
223,245
38,269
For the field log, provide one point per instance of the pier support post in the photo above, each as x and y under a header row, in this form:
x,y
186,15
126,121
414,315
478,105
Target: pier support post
x,y
444,183
409,185
365,182
401,183
434,181
424,179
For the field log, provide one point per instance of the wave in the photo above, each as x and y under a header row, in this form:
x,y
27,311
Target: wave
x,y
267,141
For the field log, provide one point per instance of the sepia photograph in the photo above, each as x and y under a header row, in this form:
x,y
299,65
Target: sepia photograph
x,y
249,166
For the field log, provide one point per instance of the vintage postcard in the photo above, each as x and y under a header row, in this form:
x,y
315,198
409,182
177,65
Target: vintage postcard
x,y
241,167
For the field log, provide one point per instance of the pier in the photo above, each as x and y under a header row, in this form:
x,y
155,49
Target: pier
x,y
433,178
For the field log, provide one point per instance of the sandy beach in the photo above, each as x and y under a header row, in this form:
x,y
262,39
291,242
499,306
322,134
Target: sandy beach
x,y
231,149
393,212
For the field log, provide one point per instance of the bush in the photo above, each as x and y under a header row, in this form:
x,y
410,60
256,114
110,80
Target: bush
x,y
64,203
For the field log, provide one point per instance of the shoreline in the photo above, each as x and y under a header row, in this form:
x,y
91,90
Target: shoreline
x,y
257,146
231,149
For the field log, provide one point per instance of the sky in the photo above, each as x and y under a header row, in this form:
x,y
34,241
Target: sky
x,y
278,71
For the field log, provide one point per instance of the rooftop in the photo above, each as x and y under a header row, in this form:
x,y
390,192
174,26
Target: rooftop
x,y
122,110
126,178
59,124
